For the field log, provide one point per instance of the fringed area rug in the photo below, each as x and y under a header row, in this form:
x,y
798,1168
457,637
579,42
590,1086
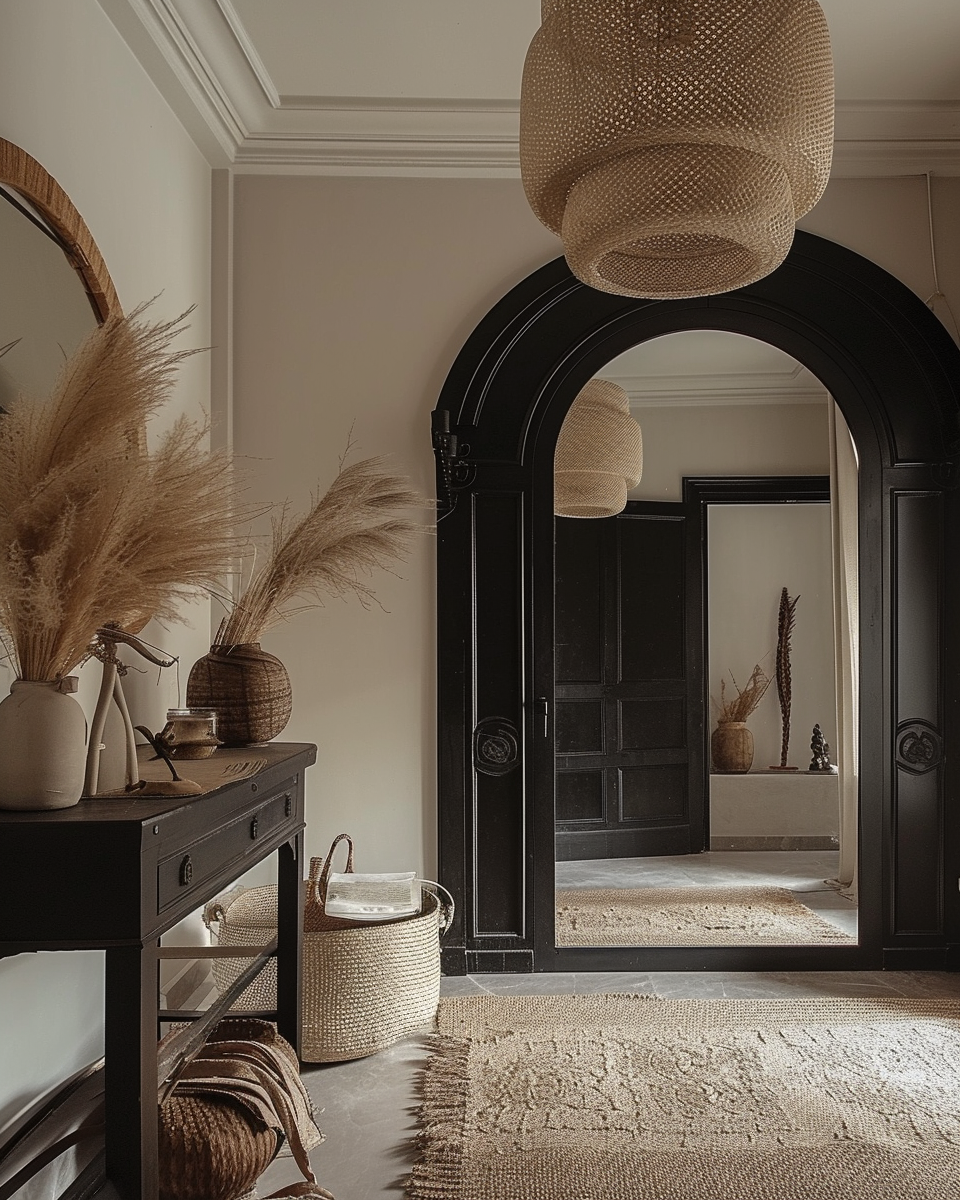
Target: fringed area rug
x,y
692,916
636,1098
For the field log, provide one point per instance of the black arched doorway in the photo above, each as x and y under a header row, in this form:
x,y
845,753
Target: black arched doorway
x,y
895,374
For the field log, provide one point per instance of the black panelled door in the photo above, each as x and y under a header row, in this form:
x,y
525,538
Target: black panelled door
x,y
628,686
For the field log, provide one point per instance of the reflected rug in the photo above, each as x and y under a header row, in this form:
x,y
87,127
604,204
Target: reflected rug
x,y
691,916
613,1097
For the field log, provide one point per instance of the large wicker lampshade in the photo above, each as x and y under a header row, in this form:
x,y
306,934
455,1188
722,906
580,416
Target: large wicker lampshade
x,y
673,146
599,454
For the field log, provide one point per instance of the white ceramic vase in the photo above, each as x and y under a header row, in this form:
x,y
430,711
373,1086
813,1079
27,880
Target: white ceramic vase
x,y
42,745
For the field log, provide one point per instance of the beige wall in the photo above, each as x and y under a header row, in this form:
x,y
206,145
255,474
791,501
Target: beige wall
x,y
728,439
352,299
353,296
753,551
73,96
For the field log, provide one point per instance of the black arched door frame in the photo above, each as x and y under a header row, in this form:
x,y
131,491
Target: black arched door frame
x,y
895,374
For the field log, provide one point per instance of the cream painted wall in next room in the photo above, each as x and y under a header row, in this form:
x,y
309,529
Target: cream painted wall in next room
x,y
353,297
73,96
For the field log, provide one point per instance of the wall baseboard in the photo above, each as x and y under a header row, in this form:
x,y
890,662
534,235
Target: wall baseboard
x,y
772,842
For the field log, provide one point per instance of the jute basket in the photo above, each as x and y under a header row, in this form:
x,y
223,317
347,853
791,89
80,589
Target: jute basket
x,y
365,984
229,1108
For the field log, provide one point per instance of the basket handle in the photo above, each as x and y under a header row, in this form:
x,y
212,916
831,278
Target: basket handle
x,y
445,900
320,870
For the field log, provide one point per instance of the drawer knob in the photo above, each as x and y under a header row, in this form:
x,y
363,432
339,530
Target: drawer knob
x,y
186,871
255,827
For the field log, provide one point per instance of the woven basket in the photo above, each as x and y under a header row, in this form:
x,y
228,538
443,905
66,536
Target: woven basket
x,y
248,689
365,984
229,1108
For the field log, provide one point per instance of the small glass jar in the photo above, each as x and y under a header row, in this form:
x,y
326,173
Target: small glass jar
x,y
190,732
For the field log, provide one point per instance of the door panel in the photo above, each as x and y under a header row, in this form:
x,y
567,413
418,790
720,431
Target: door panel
x,y
629,778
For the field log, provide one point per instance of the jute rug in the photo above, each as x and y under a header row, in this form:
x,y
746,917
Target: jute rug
x,y
692,916
636,1098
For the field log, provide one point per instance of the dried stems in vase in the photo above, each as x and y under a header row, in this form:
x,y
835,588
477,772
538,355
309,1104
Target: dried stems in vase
x,y
96,530
355,526
747,698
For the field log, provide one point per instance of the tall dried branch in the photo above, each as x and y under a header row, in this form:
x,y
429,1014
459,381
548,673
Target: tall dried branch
x,y
94,529
357,525
747,698
786,619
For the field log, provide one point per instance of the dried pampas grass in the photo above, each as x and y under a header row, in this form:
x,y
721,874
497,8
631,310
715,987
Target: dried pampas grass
x,y
94,529
747,698
355,526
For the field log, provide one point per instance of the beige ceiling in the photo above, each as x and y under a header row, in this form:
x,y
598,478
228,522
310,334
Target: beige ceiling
x,y
883,49
431,86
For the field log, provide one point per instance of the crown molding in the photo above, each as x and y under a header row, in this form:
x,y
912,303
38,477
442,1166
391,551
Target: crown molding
x,y
206,66
729,389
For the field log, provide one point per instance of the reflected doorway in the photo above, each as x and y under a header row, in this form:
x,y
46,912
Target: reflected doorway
x,y
659,609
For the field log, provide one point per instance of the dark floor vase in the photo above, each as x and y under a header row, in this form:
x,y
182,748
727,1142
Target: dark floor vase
x,y
249,690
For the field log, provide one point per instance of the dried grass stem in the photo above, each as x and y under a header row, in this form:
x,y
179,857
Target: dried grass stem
x,y
353,528
95,529
747,698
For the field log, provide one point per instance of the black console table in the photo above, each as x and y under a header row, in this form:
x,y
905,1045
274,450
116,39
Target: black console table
x,y
114,873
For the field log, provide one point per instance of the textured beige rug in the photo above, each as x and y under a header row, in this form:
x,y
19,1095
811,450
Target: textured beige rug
x,y
692,916
636,1098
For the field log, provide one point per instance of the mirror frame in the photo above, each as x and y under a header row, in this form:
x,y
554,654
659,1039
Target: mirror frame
x,y
20,172
895,373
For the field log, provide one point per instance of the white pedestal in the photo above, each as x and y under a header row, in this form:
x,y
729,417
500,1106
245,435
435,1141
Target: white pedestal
x,y
770,810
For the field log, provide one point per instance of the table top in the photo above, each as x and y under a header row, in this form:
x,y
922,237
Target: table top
x,y
224,768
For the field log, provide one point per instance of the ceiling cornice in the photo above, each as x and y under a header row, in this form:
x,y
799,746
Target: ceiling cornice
x,y
204,63
730,389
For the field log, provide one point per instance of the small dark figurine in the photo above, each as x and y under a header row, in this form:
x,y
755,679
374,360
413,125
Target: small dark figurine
x,y
821,752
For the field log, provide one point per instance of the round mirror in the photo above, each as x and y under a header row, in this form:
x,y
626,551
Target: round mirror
x,y
55,287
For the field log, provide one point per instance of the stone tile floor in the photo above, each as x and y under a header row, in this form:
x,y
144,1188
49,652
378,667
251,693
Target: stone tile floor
x,y
369,1106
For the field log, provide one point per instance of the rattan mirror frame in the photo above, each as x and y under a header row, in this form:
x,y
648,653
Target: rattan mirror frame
x,y
21,172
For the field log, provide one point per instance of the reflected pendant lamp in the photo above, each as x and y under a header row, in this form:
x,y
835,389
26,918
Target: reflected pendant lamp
x,y
672,146
599,454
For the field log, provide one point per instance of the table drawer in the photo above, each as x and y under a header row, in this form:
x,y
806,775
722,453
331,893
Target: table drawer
x,y
192,865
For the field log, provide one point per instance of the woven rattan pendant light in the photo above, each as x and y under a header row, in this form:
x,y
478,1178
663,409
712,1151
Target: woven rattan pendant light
x,y
672,145
599,454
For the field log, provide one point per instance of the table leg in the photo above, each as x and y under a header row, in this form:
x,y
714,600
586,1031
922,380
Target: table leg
x,y
130,1070
289,938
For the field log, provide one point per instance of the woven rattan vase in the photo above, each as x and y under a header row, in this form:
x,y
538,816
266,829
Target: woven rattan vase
x,y
248,689
599,454
673,146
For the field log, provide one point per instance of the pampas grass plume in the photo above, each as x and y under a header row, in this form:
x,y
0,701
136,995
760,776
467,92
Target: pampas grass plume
x,y
357,525
94,529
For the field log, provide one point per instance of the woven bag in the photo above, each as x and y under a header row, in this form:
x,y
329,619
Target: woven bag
x,y
366,984
228,1111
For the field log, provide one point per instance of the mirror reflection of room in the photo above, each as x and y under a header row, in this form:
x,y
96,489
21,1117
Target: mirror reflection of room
x,y
46,313
726,588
